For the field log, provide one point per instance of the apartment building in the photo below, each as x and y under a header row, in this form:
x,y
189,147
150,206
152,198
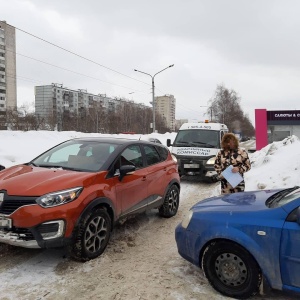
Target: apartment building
x,y
54,100
166,106
8,81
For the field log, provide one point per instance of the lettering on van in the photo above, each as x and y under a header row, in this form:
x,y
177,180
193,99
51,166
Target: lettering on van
x,y
200,126
193,151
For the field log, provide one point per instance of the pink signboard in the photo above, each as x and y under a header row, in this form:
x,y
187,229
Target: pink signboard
x,y
261,128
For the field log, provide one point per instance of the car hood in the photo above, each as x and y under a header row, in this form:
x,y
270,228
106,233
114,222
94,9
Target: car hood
x,y
34,181
254,200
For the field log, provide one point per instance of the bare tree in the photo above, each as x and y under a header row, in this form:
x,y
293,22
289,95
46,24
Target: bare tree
x,y
143,118
161,126
51,121
127,117
13,120
226,109
29,120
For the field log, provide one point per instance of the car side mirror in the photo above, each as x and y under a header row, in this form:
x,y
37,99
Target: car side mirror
x,y
2,167
169,142
125,170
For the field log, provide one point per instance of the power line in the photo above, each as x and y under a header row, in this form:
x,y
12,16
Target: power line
x,y
88,76
82,57
188,109
41,82
87,59
78,55
24,78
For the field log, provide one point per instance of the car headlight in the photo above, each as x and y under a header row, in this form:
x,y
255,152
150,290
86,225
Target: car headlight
x,y
59,198
174,157
211,161
186,221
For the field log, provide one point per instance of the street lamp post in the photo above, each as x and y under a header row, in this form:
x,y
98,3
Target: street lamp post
x,y
210,111
153,94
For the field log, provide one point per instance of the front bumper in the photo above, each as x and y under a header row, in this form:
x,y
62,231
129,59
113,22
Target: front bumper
x,y
184,245
195,166
46,235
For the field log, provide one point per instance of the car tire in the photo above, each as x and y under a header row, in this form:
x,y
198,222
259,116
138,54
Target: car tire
x,y
171,202
244,278
92,235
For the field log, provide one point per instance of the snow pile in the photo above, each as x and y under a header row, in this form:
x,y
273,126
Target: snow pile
x,y
274,166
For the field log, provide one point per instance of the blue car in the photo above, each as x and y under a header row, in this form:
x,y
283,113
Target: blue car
x,y
238,239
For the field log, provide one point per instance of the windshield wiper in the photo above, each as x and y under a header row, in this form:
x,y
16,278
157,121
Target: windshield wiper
x,y
60,167
72,169
278,196
202,143
194,144
184,143
50,166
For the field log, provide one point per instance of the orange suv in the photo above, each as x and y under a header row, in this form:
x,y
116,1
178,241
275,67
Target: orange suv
x,y
74,193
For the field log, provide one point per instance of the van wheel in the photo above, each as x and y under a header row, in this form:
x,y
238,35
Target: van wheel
x,y
171,203
92,236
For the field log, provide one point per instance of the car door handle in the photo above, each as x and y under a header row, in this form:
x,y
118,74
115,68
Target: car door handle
x,y
144,178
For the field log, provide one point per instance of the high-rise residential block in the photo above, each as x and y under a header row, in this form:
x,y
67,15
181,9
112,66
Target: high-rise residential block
x,y
165,106
8,78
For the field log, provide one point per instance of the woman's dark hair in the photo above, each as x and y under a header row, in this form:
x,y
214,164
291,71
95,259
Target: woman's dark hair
x,y
227,138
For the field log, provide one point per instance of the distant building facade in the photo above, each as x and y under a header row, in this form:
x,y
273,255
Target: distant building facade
x,y
55,99
166,106
8,81
180,122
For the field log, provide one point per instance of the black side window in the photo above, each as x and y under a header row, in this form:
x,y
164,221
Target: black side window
x,y
132,156
292,217
163,152
152,156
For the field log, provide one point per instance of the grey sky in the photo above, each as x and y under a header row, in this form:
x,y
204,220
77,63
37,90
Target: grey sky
x,y
249,46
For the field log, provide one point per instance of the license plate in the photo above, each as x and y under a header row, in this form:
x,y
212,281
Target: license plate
x,y
5,222
191,166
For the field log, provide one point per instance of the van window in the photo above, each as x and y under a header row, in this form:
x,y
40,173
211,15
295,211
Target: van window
x,y
198,138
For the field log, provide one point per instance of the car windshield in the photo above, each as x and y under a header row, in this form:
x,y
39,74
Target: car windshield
x,y
78,155
283,197
197,138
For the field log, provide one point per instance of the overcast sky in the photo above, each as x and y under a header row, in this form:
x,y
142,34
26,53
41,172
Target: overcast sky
x,y
250,46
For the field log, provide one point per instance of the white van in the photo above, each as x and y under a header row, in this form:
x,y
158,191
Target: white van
x,y
195,146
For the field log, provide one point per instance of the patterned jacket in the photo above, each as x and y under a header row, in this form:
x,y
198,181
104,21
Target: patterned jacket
x,y
237,158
